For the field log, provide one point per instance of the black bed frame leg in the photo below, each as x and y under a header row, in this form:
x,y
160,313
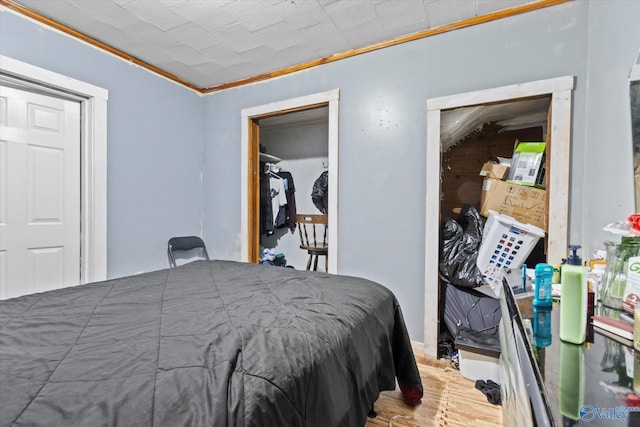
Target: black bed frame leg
x,y
372,413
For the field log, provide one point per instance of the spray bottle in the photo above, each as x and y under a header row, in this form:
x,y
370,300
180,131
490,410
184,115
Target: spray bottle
x,y
573,299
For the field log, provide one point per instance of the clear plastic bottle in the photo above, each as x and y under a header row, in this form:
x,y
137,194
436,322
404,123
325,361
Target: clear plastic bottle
x,y
542,293
573,299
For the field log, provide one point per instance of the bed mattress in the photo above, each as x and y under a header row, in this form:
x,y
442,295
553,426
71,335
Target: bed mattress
x,y
216,343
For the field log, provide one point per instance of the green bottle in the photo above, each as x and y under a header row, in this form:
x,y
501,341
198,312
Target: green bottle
x,y
573,299
571,380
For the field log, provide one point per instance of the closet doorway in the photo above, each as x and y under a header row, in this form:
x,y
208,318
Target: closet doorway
x,y
298,136
554,96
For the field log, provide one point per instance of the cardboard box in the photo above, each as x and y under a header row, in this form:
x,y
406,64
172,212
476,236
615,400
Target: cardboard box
x,y
493,170
526,204
528,164
631,294
476,366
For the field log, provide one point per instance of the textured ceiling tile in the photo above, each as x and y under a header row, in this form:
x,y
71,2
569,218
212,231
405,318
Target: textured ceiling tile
x,y
107,34
258,52
184,54
151,54
179,69
324,39
156,14
305,13
223,55
235,36
442,12
102,10
192,35
247,69
278,36
398,14
253,14
365,34
212,74
326,2
171,3
67,13
206,14
212,42
298,53
349,14
263,56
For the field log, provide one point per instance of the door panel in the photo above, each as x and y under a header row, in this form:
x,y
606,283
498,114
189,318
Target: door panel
x,y
39,191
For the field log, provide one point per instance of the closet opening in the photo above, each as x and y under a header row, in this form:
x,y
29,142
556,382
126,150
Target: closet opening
x,y
294,169
489,133
465,131
296,139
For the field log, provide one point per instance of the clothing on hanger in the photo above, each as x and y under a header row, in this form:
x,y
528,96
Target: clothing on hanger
x,y
289,219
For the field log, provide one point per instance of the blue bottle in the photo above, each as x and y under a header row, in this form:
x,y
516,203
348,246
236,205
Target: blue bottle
x,y
542,293
542,326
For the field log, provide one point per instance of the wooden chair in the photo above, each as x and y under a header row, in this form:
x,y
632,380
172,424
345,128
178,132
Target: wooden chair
x,y
313,238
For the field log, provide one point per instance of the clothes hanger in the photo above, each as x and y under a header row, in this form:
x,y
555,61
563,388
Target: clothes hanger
x,y
272,170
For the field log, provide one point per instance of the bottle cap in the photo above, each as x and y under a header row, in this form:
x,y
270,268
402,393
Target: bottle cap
x,y
543,268
574,258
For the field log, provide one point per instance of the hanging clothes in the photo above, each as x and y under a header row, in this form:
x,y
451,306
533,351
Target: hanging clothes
x,y
288,216
277,201
278,196
266,212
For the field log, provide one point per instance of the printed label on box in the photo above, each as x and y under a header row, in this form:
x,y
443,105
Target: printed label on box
x,y
526,204
632,289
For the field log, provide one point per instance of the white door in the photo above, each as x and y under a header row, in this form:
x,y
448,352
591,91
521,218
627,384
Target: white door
x,y
39,192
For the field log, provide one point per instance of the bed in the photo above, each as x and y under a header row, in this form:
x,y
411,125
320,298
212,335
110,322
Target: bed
x,y
216,343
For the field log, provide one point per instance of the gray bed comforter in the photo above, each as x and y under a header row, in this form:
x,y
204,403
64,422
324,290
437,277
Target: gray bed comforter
x,y
216,343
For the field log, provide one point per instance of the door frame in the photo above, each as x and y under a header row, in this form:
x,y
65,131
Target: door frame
x,y
558,178
249,165
93,158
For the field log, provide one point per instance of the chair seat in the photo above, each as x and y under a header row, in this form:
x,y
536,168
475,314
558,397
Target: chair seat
x,y
315,249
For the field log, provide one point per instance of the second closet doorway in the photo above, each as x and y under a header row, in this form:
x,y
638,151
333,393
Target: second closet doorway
x,y
298,136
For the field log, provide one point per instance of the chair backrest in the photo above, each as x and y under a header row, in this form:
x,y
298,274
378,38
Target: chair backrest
x,y
313,230
186,243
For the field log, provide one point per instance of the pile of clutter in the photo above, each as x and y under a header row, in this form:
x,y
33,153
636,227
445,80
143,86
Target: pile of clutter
x,y
270,257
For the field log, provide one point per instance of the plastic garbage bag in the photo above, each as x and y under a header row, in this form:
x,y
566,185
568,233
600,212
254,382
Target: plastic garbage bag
x,y
459,244
320,192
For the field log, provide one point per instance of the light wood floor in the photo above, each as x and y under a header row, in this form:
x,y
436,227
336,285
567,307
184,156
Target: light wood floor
x,y
449,400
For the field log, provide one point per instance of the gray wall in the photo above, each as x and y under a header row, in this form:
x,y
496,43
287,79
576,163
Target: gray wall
x,y
602,190
155,143
383,131
161,136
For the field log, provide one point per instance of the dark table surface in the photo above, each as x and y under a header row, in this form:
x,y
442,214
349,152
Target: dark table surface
x,y
586,385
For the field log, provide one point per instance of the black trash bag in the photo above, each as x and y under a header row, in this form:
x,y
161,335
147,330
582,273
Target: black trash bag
x,y
459,244
320,192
